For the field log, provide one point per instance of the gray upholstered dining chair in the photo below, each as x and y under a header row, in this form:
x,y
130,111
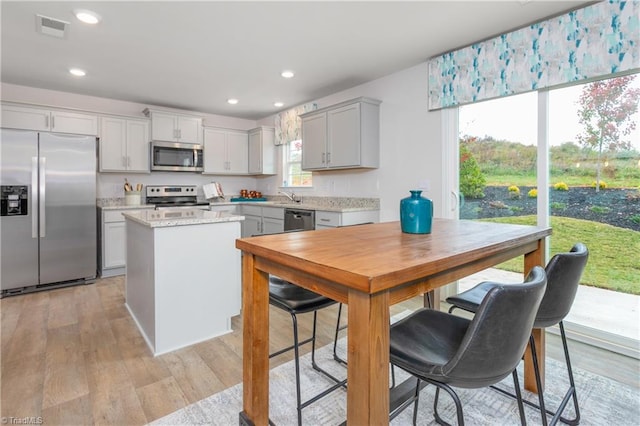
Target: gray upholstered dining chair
x,y
564,271
449,351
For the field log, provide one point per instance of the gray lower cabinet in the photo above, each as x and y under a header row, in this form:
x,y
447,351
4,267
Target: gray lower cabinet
x,y
260,220
112,242
329,219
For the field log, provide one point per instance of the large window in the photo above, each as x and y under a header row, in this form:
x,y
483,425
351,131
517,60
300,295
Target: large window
x,y
292,174
590,158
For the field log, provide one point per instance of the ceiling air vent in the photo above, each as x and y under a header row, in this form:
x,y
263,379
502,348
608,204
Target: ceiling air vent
x,y
50,26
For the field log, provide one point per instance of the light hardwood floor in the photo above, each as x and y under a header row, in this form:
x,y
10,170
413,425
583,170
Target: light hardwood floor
x,y
74,356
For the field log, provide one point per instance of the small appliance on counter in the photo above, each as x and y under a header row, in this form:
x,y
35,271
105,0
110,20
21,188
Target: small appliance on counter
x,y
176,196
213,190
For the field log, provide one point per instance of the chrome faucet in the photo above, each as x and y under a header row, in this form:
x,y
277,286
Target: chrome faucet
x,y
291,197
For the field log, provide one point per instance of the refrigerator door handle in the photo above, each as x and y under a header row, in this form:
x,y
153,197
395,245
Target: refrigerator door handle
x,y
42,189
34,197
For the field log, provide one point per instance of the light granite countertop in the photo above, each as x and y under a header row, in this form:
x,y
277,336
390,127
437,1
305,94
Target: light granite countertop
x,y
331,204
301,206
181,217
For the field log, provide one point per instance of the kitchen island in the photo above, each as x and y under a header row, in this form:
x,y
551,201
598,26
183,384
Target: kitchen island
x,y
183,276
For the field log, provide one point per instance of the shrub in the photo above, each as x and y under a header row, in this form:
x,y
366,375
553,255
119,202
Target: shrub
x,y
603,184
600,209
514,191
472,181
635,218
557,206
533,193
561,186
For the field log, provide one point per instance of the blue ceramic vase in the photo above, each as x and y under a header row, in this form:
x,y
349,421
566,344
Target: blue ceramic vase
x,y
416,213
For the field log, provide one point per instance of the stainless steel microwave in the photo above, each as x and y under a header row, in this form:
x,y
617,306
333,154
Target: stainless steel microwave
x,y
176,157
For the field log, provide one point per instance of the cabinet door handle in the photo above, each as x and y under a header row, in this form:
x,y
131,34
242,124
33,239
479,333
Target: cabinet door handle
x,y
128,161
323,155
124,161
325,220
34,196
46,121
53,122
42,192
179,133
328,157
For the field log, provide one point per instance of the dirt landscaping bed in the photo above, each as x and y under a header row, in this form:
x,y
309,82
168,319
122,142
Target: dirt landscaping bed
x,y
617,207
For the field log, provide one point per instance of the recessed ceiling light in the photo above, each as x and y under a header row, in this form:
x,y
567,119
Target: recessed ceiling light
x,y
287,74
232,101
87,16
78,72
278,104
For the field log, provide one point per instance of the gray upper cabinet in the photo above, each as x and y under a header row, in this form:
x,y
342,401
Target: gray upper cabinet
x,y
342,136
225,151
124,144
262,152
170,127
49,120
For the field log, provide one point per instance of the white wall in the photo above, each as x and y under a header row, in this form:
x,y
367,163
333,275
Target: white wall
x,y
410,146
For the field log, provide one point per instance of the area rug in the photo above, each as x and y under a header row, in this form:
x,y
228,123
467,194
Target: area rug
x,y
602,401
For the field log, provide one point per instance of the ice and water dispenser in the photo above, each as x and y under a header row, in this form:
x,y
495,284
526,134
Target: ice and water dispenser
x,y
14,200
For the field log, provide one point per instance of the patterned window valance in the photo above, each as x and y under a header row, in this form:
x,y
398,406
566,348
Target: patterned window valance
x,y
597,41
288,123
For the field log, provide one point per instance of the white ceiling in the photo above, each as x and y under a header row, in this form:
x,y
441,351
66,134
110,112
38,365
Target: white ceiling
x,y
196,55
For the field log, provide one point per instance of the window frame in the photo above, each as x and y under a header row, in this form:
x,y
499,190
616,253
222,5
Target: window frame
x,y
287,177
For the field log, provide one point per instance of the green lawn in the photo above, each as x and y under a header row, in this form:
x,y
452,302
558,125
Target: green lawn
x,y
614,253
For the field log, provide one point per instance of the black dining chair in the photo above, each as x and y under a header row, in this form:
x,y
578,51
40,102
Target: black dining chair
x,y
297,300
564,271
449,351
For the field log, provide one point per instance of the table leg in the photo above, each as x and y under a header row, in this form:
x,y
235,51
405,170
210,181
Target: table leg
x,y
535,258
368,355
255,349
431,299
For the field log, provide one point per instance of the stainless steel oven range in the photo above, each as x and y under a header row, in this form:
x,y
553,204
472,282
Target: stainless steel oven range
x,y
175,196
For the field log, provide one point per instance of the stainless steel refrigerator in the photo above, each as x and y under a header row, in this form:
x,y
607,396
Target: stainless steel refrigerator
x,y
48,210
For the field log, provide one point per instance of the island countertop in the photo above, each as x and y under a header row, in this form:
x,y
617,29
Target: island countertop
x,y
181,217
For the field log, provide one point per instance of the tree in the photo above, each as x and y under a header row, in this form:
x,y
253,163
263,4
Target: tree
x,y
606,111
472,181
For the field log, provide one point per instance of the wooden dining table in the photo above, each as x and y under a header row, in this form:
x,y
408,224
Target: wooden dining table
x,y
368,267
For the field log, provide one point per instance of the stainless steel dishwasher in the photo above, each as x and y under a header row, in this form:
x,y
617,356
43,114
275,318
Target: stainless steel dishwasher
x,y
299,220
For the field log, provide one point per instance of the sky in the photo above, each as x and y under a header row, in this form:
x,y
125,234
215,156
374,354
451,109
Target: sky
x,y
509,118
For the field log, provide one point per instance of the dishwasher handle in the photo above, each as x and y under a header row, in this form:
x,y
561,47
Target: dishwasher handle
x,y
299,213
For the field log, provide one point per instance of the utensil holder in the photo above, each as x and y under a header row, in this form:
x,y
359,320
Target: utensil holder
x,y
132,198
